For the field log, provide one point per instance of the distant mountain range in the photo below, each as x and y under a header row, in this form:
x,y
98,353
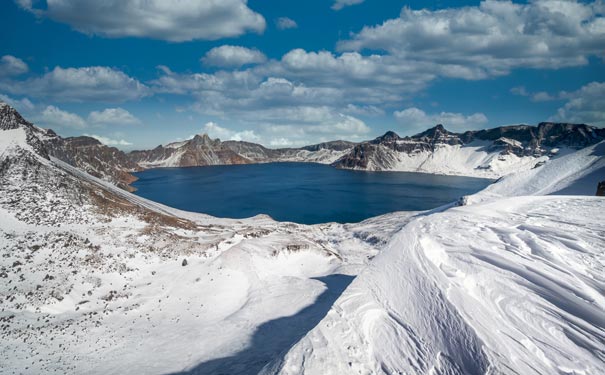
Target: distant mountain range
x,y
488,153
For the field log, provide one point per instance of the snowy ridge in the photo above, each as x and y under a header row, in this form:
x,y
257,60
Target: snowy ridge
x,y
575,173
11,140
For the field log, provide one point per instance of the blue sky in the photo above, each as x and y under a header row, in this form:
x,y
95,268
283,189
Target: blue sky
x,y
137,74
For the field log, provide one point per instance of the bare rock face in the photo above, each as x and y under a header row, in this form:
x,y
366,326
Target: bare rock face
x,y
90,155
198,151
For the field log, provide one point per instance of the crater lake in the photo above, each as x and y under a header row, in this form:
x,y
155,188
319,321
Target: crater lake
x,y
305,193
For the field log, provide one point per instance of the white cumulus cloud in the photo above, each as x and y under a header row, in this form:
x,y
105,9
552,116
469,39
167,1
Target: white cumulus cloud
x,y
22,105
215,131
585,105
284,23
112,116
54,117
96,83
490,39
233,56
339,4
12,66
172,20
109,141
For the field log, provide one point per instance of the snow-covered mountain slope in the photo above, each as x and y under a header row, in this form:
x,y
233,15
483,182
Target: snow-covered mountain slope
x,y
86,153
509,287
505,284
491,153
96,280
475,159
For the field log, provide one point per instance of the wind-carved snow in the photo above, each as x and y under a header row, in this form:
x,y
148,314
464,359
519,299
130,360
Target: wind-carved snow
x,y
513,286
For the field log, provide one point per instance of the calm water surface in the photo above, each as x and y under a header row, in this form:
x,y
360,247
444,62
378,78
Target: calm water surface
x,y
300,192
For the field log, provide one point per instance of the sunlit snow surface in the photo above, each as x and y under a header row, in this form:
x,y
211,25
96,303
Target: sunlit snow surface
x,y
501,285
514,286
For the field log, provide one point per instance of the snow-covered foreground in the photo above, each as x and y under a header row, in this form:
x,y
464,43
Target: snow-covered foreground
x,y
513,286
96,280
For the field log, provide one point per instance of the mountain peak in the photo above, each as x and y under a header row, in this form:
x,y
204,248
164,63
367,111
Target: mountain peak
x,y
203,139
433,132
10,118
387,137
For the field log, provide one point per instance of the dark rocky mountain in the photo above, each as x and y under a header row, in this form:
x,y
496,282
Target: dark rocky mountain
x,y
11,119
390,151
199,151
202,150
332,145
93,157
85,153
538,139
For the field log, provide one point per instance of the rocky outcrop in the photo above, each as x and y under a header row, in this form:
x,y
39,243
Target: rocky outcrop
x,y
11,119
538,140
85,153
93,157
198,151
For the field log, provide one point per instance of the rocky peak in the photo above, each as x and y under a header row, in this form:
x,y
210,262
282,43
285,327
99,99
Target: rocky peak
x,y
11,119
572,135
204,140
436,132
389,136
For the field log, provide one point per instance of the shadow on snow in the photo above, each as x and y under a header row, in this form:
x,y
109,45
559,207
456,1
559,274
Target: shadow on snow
x,y
276,337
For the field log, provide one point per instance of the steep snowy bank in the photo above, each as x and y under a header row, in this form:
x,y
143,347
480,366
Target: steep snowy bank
x,y
576,173
513,286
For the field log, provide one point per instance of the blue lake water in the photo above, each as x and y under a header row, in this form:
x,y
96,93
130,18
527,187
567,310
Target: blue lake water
x,y
300,192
